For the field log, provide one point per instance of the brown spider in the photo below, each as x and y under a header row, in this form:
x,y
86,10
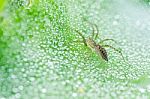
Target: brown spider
x,y
98,47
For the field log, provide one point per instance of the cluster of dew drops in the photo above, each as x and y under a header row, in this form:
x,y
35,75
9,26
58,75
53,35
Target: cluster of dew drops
x,y
46,67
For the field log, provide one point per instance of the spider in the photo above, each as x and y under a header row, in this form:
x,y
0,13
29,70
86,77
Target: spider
x,y
99,48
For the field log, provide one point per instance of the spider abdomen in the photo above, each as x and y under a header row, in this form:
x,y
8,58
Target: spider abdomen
x,y
102,52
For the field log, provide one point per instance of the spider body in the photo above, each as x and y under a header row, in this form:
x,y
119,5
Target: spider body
x,y
101,52
99,48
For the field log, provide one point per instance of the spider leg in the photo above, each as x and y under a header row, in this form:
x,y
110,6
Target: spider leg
x,y
116,50
84,40
107,40
93,31
94,35
94,26
29,2
97,31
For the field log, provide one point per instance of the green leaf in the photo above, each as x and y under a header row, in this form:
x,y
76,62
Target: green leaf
x,y
42,56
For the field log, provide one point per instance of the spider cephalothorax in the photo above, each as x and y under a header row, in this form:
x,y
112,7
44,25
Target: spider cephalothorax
x,y
99,48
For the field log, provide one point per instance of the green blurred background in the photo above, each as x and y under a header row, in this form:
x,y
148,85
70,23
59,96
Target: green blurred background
x,y
40,57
